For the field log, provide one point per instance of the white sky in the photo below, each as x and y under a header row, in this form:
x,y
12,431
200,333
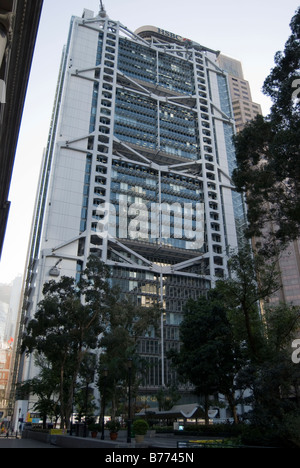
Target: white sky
x,y
251,32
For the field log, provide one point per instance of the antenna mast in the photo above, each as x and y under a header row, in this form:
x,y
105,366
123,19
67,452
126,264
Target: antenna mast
x,y
102,10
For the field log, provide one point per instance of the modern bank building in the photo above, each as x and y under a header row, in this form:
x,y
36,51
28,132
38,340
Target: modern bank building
x,y
137,171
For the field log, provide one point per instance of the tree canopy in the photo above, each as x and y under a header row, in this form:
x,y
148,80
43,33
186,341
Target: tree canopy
x,y
119,344
267,151
230,345
67,325
208,357
75,319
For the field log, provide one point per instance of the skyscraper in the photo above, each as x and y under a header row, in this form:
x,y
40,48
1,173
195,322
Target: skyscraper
x,y
19,22
137,171
244,109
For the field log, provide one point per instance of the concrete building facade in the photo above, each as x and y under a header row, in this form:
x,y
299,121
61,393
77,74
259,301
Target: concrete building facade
x,y
244,109
19,23
137,171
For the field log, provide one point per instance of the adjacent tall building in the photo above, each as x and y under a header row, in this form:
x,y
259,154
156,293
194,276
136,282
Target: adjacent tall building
x,y
244,109
137,171
19,22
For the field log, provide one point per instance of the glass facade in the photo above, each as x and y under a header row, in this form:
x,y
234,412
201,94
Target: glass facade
x,y
154,107
149,161
150,65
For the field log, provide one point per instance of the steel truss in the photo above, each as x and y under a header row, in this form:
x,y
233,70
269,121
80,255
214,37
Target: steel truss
x,y
165,263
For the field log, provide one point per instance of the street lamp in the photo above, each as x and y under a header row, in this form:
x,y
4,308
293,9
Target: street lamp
x,y
129,366
105,374
86,406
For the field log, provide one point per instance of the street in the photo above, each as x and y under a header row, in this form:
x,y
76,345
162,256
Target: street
x,y
13,443
158,442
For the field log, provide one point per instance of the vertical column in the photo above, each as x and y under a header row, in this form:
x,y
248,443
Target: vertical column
x,y
5,25
104,127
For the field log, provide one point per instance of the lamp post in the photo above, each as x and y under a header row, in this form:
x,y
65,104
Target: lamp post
x,y
129,366
86,407
105,374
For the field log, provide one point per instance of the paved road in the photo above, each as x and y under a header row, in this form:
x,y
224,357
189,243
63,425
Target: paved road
x,y
22,443
155,442
159,441
28,443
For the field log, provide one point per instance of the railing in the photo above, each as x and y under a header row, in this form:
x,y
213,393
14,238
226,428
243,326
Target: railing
x,y
213,444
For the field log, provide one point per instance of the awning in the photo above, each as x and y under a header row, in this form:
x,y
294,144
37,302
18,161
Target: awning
x,y
191,411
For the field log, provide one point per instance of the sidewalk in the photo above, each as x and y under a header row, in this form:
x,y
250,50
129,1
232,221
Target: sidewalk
x,y
13,443
156,442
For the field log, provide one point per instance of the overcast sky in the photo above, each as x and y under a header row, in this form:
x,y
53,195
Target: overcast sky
x,y
251,32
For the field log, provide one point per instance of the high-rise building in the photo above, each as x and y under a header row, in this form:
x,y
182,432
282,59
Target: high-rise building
x,y
19,22
6,353
137,171
289,275
244,109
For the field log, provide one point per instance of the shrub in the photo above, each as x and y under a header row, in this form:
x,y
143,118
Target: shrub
x,y
140,427
113,426
94,427
270,437
163,429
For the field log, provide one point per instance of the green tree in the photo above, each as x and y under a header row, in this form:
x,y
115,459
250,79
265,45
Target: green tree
x,y
84,396
267,152
67,325
265,334
274,380
126,324
45,387
225,331
167,397
209,357
251,280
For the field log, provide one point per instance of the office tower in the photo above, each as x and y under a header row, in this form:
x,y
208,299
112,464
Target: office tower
x,y
137,171
19,23
289,276
244,109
